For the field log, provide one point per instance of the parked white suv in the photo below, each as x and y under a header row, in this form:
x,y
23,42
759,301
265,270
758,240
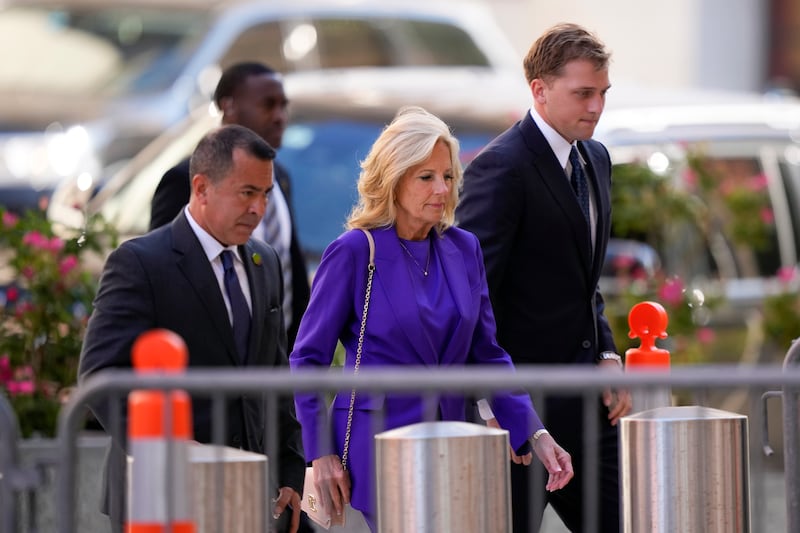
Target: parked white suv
x,y
88,83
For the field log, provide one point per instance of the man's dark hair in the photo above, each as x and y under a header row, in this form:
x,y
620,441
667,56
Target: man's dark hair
x,y
213,156
235,75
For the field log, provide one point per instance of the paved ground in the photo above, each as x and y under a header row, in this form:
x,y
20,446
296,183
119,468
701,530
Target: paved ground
x,y
356,524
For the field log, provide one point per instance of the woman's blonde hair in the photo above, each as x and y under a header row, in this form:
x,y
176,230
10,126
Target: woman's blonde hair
x,y
407,141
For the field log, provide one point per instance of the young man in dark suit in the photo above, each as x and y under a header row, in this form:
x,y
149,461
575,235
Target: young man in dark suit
x,y
538,198
251,95
175,278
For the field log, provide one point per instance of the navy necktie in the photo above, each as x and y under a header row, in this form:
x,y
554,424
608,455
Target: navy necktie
x,y
579,183
239,309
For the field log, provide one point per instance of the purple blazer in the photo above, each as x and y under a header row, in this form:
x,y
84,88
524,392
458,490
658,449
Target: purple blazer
x,y
391,338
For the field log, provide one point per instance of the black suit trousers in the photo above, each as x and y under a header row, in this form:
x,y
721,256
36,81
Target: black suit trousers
x,y
563,417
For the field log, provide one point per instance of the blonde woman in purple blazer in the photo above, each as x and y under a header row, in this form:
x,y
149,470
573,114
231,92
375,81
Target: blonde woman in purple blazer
x,y
429,307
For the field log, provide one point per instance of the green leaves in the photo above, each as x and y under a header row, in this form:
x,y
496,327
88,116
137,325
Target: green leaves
x,y
707,216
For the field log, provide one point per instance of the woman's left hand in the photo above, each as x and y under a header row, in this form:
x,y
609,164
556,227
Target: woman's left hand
x,y
556,461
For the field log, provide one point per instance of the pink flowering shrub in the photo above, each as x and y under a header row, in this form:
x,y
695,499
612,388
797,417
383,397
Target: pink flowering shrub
x,y
647,207
710,217
45,301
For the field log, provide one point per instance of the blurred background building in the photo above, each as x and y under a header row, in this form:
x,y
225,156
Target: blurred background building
x,y
749,45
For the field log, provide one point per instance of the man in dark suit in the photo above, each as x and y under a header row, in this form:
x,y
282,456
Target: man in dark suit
x,y
543,242
175,278
251,95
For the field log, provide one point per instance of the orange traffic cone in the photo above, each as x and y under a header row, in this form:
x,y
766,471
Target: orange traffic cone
x,y
159,489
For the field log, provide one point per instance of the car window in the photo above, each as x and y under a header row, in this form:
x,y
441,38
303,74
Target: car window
x,y
743,210
435,44
789,167
734,202
323,161
111,51
128,208
260,42
299,43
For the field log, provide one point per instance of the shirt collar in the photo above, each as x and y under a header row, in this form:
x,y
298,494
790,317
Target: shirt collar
x,y
211,246
558,144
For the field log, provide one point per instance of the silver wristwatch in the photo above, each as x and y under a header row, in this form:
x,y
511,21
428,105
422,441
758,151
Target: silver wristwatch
x,y
609,356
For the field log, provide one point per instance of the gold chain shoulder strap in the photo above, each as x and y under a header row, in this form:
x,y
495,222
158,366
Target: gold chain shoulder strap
x,y
370,272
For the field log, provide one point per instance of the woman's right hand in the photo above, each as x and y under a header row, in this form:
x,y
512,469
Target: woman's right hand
x,y
332,482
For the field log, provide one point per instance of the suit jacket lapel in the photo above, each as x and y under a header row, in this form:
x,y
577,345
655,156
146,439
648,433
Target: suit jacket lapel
x,y
394,278
455,272
602,196
193,263
457,281
258,290
554,179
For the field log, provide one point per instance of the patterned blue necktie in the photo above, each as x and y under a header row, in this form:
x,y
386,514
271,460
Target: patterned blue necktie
x,y
579,183
239,309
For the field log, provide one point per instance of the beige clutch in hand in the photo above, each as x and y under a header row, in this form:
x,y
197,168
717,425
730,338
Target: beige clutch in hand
x,y
312,504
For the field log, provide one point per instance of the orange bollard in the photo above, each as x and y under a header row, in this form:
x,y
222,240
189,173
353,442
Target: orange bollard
x,y
648,321
159,494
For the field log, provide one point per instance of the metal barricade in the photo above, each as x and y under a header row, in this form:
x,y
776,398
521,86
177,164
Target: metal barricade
x,y
9,435
113,386
16,478
791,436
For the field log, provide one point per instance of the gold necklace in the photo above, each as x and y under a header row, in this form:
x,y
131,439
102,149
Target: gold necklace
x,y
427,261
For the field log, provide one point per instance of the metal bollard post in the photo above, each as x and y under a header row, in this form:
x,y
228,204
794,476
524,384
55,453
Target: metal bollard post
x,y
228,489
443,476
685,469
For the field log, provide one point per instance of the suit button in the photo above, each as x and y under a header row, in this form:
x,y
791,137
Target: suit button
x,y
586,345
